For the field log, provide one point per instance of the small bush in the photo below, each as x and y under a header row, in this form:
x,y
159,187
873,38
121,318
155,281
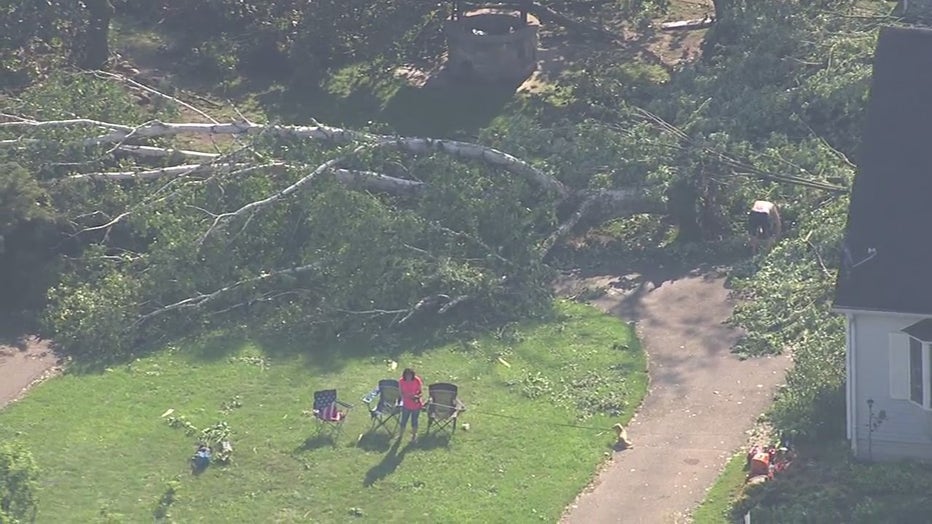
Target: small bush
x,y
18,482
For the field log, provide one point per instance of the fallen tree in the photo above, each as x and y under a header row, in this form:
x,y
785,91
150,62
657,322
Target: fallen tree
x,y
175,227
320,229
617,202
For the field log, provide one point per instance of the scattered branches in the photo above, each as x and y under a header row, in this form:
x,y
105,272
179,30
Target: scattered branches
x,y
202,299
738,167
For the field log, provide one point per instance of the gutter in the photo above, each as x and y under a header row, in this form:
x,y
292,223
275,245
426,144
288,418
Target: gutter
x,y
851,310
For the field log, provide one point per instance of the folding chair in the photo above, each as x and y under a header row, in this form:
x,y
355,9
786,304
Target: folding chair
x,y
327,412
443,407
387,408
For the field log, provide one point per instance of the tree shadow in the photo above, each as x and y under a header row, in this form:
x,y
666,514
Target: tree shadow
x,y
217,345
450,109
387,465
441,109
330,354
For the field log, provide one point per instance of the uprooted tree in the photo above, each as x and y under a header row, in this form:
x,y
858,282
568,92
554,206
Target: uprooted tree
x,y
176,227
173,226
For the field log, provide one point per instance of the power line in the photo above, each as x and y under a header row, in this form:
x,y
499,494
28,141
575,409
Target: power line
x,y
525,419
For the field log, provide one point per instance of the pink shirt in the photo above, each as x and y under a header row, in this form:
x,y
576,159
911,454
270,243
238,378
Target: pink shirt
x,y
409,390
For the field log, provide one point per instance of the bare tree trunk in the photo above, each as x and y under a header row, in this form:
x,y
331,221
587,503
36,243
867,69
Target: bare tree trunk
x,y
96,50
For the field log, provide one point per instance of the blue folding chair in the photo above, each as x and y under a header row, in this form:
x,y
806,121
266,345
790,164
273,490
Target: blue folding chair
x,y
387,406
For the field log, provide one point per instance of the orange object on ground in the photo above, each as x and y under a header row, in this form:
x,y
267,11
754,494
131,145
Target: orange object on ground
x,y
760,463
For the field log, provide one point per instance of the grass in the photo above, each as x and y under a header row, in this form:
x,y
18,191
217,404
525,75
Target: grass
x,y
717,506
826,484
106,453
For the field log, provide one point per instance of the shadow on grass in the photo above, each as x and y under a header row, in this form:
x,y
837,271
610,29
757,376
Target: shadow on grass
x,y
450,109
317,441
387,465
454,109
435,440
376,442
330,355
217,345
162,508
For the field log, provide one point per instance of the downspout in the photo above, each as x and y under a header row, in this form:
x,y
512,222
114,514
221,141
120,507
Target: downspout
x,y
848,394
852,382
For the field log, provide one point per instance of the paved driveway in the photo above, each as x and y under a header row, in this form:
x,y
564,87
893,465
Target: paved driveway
x,y
702,400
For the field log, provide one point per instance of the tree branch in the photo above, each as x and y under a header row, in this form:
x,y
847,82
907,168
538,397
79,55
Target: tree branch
x,y
163,152
258,204
175,171
564,229
118,133
201,299
377,182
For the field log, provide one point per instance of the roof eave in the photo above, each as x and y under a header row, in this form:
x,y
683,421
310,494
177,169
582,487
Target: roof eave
x,y
841,309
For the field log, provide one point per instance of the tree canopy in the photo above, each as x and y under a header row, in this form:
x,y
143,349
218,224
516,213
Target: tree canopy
x,y
167,220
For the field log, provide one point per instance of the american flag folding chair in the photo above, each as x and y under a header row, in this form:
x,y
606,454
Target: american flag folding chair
x,y
328,413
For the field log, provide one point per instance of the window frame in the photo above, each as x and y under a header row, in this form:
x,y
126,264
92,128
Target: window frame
x,y
925,364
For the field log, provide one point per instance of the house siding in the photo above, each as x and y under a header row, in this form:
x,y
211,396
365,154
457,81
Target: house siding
x,y
907,430
883,451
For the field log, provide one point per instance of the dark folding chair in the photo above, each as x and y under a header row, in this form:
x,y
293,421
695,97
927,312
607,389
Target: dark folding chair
x,y
328,414
387,407
443,407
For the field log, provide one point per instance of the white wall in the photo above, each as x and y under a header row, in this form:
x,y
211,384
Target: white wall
x,y
907,431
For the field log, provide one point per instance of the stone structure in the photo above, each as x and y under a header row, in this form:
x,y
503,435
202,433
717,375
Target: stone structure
x,y
492,46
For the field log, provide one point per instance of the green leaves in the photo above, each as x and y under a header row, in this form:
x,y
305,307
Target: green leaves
x,y
94,319
18,484
22,199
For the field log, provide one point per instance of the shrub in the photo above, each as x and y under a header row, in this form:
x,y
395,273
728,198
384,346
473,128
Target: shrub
x,y
18,482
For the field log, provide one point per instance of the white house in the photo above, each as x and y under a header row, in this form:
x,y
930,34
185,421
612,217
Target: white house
x,y
884,288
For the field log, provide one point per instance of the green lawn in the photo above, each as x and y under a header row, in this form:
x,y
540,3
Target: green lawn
x,y
107,454
717,506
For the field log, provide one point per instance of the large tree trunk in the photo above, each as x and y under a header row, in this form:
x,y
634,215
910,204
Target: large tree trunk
x,y
96,50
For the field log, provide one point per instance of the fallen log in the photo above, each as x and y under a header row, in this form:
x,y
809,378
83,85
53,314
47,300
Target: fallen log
x,y
687,25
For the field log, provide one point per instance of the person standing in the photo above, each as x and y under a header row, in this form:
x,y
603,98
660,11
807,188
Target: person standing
x,y
411,404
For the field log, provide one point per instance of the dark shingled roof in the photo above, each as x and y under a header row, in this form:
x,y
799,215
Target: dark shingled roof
x,y
921,330
891,202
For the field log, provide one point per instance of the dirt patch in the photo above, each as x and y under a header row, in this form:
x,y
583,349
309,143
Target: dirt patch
x,y
560,51
28,362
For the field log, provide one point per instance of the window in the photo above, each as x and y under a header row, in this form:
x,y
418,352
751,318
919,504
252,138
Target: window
x,y
916,382
911,369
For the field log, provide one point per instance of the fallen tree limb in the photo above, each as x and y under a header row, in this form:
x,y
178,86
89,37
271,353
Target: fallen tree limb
x,y
166,152
378,183
356,179
200,300
598,206
687,25
440,301
466,150
259,204
564,229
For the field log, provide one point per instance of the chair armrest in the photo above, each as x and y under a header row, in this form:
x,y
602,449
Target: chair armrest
x,y
344,404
